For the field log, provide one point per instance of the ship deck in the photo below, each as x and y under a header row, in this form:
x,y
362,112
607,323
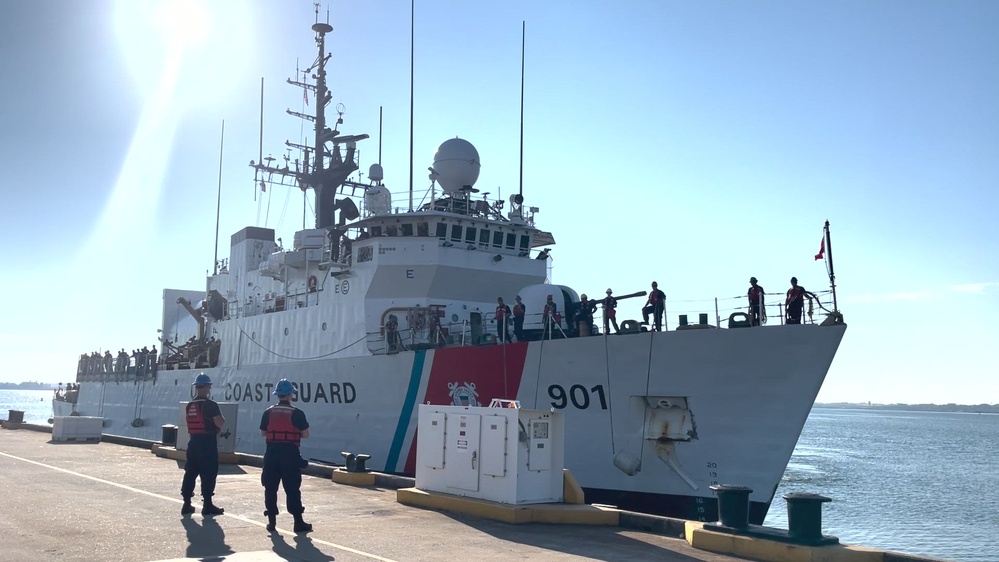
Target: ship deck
x,y
105,501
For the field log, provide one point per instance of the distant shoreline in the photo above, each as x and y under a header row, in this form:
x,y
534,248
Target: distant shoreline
x,y
968,408
26,386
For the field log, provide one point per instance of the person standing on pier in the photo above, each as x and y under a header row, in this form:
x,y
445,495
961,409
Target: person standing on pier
x,y
284,426
204,421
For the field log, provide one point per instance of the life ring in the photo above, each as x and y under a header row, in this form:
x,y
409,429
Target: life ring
x,y
312,283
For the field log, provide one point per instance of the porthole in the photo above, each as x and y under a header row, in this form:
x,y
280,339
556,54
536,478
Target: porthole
x,y
286,331
454,317
324,326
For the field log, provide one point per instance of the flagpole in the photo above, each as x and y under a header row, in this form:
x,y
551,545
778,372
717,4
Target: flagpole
x,y
832,273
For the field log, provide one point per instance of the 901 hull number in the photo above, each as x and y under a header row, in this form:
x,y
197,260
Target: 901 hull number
x,y
578,397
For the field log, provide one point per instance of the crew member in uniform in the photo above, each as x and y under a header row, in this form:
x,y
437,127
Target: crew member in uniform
x,y
655,306
584,318
610,312
796,300
518,319
502,318
204,422
757,310
284,426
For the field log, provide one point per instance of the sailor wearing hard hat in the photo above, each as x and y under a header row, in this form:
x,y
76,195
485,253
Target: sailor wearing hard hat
x,y
204,420
284,426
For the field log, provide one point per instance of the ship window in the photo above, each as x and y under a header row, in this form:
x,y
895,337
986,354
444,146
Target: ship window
x,y
456,232
511,240
470,234
484,237
441,230
286,331
422,229
376,231
407,229
498,239
324,326
525,242
392,230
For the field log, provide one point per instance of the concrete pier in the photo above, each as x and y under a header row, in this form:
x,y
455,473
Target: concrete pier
x,y
109,502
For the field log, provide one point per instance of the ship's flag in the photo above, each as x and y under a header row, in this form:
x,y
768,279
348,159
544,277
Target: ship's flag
x,y
822,249
263,186
305,93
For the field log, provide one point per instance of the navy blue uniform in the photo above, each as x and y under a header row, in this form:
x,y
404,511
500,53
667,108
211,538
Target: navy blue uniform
x,y
282,460
202,449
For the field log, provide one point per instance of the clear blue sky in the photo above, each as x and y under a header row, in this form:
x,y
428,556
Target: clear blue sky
x,y
696,144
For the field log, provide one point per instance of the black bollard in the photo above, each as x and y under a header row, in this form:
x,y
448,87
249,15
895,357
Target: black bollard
x,y
804,516
169,434
733,505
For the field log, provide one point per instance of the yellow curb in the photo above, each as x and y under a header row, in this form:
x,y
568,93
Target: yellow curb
x,y
174,454
572,492
341,476
568,514
773,551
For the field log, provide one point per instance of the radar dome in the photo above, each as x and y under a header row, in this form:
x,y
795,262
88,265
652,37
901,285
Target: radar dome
x,y
457,163
377,200
375,173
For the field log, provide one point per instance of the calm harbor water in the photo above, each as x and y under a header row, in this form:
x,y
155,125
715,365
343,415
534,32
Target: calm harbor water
x,y
916,482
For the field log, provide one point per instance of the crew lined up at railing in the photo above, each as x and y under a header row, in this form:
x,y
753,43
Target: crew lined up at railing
x,y
141,362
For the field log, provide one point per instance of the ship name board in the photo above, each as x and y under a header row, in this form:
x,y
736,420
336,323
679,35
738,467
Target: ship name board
x,y
329,392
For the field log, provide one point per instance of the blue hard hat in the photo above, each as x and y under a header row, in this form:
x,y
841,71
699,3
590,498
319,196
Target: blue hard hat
x,y
284,388
202,380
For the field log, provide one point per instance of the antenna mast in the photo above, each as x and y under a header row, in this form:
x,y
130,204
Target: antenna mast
x,y
412,43
218,202
523,43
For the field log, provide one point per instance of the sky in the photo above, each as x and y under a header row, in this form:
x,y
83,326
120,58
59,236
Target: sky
x,y
692,143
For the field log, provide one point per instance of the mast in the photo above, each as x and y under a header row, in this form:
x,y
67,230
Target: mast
x,y
523,44
832,272
218,202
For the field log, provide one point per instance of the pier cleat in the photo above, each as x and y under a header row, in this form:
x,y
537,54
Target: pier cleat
x,y
187,509
212,509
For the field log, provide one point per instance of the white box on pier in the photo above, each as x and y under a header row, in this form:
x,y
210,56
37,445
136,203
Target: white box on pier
x,y
77,428
505,455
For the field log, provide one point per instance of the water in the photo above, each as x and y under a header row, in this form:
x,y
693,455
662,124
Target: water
x,y
915,482
36,404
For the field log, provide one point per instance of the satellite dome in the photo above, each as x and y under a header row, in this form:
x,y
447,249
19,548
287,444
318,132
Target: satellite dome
x,y
375,173
377,200
457,163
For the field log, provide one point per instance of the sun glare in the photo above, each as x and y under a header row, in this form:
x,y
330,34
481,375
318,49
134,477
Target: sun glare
x,y
184,24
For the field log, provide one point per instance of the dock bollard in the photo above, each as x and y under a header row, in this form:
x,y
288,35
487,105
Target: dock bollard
x,y
804,516
355,463
169,436
15,416
733,505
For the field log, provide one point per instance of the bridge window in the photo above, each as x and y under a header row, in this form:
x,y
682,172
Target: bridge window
x,y
441,230
525,242
470,235
376,231
455,233
497,239
511,241
407,229
484,237
422,229
392,230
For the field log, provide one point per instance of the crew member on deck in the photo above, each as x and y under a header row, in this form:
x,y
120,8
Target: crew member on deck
x,y
549,317
654,306
502,319
584,318
795,300
204,421
518,319
610,312
757,310
392,334
284,426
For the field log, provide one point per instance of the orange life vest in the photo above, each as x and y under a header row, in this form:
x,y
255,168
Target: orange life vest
x,y
279,426
196,418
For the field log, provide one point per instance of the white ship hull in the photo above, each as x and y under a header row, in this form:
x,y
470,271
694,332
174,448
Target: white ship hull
x,y
652,419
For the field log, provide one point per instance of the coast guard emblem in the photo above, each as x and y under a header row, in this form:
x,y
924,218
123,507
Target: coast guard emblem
x,y
463,394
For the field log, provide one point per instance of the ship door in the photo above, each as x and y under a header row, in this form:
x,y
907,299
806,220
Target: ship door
x,y
461,453
475,325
